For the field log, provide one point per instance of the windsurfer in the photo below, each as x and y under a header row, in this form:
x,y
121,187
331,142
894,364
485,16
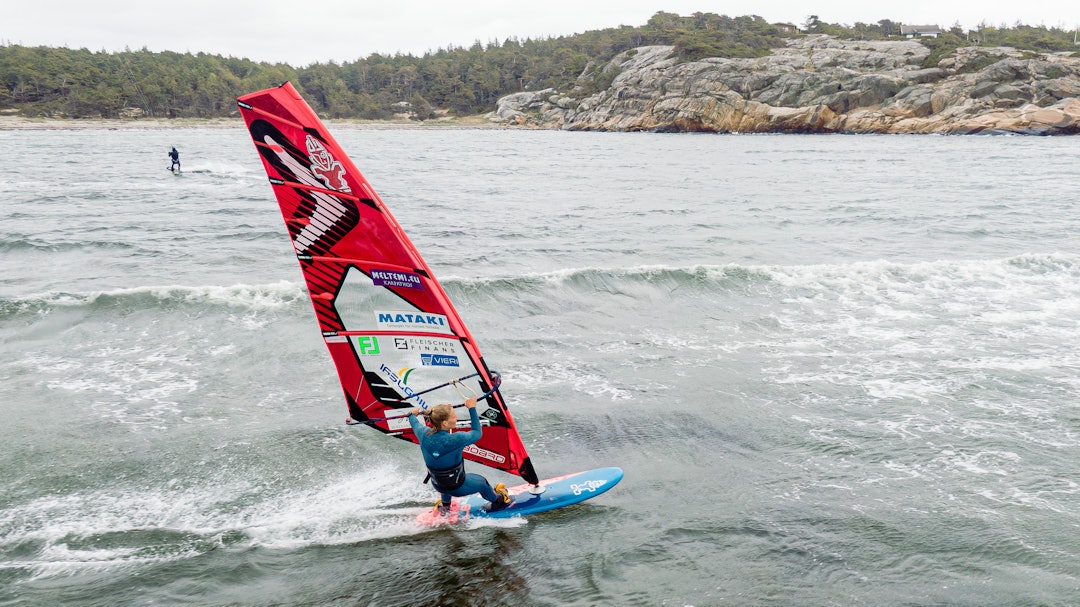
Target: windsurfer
x,y
175,160
445,464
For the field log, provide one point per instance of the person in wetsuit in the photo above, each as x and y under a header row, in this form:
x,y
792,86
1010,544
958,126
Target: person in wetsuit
x,y
175,160
445,464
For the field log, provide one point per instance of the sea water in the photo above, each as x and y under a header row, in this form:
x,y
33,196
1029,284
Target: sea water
x,y
837,370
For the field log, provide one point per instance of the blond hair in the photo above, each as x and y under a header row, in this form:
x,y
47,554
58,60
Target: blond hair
x,y
438,416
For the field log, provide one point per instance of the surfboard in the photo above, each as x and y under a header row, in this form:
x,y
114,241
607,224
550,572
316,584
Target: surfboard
x,y
558,492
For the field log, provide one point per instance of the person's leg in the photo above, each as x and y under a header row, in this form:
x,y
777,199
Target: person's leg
x,y
474,483
444,503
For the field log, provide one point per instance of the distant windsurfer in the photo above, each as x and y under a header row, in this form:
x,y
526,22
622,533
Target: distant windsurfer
x,y
175,156
445,464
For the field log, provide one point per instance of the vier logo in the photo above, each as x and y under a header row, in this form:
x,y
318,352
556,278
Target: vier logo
x,y
438,360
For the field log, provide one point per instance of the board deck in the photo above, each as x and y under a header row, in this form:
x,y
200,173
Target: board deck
x,y
560,491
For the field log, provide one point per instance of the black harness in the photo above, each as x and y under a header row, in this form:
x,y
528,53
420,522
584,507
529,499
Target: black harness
x,y
447,479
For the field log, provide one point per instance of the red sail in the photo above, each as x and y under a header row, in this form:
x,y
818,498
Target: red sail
x,y
394,336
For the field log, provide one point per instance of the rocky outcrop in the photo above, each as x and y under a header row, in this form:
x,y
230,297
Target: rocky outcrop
x,y
819,84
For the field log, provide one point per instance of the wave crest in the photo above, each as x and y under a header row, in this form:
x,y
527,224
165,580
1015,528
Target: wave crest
x,y
279,295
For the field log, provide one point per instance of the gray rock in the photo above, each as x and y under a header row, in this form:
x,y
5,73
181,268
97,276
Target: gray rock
x,y
818,84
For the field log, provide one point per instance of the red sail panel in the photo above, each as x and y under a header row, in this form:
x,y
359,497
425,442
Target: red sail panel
x,y
394,335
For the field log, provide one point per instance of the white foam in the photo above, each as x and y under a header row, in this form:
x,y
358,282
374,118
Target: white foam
x,y
349,511
222,168
356,508
922,390
574,375
498,523
60,560
270,296
1000,463
902,331
132,384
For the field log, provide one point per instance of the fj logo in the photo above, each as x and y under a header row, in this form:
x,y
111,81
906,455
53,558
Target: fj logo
x,y
368,344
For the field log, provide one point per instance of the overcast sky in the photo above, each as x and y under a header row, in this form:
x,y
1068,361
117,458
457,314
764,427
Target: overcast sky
x,y
301,32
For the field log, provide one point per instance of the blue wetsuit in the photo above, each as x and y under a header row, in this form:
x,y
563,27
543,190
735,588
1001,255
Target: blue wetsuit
x,y
442,451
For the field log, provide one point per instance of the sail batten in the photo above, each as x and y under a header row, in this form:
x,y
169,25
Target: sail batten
x,y
393,334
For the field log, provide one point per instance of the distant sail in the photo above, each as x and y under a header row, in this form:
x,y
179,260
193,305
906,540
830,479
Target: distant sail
x,y
391,329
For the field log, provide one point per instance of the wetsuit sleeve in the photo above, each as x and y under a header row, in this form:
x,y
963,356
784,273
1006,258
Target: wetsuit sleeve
x,y
418,426
463,439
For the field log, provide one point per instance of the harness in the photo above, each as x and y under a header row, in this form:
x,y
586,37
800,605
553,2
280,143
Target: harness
x,y
447,479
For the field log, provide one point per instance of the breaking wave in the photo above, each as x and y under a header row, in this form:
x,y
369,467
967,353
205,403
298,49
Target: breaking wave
x,y
273,296
1049,274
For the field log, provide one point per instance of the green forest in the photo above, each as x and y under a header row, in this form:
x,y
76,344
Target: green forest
x,y
67,83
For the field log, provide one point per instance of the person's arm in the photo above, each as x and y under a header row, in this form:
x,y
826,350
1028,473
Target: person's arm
x,y
477,431
418,427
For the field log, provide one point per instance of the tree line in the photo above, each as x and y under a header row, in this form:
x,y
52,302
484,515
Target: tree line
x,y
61,82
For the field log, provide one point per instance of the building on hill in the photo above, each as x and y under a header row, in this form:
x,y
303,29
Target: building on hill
x,y
920,31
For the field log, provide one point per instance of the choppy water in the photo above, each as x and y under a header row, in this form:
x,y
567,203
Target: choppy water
x,y
836,370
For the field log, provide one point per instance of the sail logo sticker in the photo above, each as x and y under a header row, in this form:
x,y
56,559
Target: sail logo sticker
x,y
426,344
324,167
320,227
590,486
400,383
367,345
439,360
409,321
404,280
484,453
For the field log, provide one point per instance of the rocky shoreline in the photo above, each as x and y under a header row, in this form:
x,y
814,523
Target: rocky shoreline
x,y
819,84
19,123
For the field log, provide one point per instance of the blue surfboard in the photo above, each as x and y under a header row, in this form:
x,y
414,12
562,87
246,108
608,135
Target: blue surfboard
x,y
559,492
